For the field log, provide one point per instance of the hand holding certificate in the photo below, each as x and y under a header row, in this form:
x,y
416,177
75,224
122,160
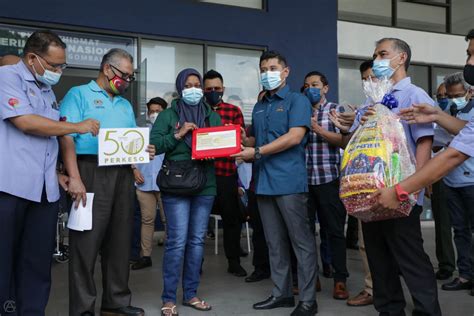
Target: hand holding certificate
x,y
216,142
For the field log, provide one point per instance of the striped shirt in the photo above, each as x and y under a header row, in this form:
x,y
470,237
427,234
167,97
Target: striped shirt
x,y
322,159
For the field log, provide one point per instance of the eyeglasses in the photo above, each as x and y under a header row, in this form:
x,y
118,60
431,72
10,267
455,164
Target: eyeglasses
x,y
54,66
125,76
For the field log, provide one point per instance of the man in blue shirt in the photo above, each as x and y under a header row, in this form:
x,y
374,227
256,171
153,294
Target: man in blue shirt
x,y
280,123
112,187
29,193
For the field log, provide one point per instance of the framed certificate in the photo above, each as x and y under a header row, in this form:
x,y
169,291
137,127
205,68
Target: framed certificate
x,y
215,142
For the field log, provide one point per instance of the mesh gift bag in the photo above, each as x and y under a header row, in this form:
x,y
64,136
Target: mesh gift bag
x,y
376,157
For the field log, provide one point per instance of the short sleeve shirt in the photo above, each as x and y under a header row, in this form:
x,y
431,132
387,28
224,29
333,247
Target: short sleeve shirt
x,y
27,162
92,102
464,141
284,172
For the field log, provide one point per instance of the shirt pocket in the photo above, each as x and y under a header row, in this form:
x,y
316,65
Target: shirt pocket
x,y
278,120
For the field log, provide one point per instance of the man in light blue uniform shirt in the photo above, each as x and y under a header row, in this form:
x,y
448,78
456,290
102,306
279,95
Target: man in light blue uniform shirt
x,y
29,193
112,187
148,193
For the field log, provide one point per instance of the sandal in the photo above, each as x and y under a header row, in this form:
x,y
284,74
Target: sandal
x,y
169,311
198,304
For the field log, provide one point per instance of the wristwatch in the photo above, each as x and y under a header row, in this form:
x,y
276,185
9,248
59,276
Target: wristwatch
x,y
257,154
402,195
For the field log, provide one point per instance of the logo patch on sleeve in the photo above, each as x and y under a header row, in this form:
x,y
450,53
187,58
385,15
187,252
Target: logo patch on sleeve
x,y
13,102
63,118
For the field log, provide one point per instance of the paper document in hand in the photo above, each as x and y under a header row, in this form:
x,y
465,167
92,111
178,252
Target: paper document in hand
x,y
80,219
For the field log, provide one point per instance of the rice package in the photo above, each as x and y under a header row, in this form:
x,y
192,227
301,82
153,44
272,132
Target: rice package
x,y
377,156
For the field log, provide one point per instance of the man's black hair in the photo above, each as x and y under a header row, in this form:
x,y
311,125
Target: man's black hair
x,y
324,80
157,100
470,35
273,54
40,41
366,65
212,74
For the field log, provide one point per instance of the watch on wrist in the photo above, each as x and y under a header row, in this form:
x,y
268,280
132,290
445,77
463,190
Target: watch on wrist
x,y
257,154
402,195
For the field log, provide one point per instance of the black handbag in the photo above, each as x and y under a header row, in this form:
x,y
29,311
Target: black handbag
x,y
182,177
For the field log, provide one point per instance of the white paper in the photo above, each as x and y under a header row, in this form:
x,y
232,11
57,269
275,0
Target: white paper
x,y
123,146
80,219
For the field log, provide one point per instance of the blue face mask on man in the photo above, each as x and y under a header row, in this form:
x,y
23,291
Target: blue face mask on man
x,y
49,77
313,94
192,96
443,103
270,80
460,102
382,68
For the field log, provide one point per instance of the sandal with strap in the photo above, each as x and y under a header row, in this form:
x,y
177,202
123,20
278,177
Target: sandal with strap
x,y
204,307
169,311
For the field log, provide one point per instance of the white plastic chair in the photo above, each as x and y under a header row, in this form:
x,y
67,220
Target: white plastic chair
x,y
218,218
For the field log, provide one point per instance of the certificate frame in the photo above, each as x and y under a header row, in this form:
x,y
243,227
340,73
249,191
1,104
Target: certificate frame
x,y
215,152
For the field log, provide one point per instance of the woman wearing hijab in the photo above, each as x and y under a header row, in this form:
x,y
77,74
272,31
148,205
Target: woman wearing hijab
x,y
187,215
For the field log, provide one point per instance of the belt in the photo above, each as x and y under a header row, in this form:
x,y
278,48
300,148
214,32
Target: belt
x,y
95,159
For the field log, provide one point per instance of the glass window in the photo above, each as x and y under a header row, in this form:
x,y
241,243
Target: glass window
x,y
254,4
420,76
240,70
421,16
462,16
162,62
366,11
350,82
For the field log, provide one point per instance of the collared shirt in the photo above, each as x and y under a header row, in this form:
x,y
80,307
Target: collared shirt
x,y
230,114
272,117
322,159
27,162
464,141
463,175
408,94
92,102
150,172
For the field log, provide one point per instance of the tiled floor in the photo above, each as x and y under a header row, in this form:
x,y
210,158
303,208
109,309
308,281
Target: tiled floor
x,y
230,295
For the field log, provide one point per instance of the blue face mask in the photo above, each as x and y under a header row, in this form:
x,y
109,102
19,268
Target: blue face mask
x,y
313,94
443,103
459,102
49,77
192,96
270,80
381,68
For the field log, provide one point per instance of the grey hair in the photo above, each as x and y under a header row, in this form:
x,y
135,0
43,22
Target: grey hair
x,y
456,78
400,45
114,56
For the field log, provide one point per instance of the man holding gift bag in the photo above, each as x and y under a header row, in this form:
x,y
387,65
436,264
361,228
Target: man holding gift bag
x,y
395,245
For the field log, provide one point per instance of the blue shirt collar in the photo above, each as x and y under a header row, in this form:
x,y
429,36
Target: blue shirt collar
x,y
402,84
25,72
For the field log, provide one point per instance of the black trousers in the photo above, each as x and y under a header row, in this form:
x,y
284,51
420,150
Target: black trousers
x,y
26,249
332,216
111,236
352,231
260,254
395,246
227,204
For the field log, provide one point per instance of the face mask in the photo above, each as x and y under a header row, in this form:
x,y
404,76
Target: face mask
x,y
381,68
192,96
270,80
214,97
443,103
49,77
313,94
460,102
118,85
152,117
469,74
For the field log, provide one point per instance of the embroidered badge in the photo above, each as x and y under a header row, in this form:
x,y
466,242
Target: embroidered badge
x,y
63,118
13,102
98,102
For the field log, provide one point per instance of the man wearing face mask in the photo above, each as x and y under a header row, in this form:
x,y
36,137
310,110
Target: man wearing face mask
x,y
148,193
226,174
29,193
112,187
323,162
459,186
280,122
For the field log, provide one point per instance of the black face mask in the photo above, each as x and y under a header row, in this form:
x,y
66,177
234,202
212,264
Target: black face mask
x,y
469,74
213,97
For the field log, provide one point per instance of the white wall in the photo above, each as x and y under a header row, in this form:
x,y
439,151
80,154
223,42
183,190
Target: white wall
x,y
358,40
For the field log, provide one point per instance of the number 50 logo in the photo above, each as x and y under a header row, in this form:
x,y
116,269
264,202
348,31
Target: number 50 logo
x,y
131,142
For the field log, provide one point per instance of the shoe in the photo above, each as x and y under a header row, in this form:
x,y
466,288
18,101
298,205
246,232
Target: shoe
x,y
257,276
327,270
243,253
133,261
128,311
237,270
457,285
362,299
275,302
305,309
211,235
353,246
443,274
318,285
143,263
340,291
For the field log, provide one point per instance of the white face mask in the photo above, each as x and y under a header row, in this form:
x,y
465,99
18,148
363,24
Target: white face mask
x,y
152,117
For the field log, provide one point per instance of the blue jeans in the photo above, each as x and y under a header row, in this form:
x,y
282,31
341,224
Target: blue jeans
x,y
187,218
